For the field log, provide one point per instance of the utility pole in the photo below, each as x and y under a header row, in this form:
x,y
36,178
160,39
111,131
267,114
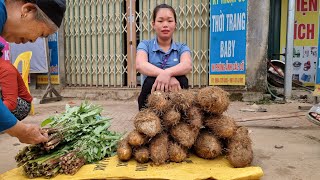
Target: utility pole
x,y
289,50
131,43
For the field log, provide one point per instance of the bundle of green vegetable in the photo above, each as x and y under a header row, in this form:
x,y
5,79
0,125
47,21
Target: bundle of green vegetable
x,y
78,136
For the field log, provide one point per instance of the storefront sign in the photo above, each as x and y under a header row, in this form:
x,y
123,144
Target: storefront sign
x,y
306,30
317,85
54,61
228,28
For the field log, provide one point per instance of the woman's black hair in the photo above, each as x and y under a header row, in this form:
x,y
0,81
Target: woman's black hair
x,y
157,8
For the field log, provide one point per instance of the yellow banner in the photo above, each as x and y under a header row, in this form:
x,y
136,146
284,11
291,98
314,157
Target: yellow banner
x,y
191,168
228,79
306,23
43,79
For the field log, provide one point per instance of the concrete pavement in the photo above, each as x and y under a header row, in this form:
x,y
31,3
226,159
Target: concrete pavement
x,y
285,148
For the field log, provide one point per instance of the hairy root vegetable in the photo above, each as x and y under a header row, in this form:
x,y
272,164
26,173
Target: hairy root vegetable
x,y
147,122
213,99
194,117
182,100
159,149
124,151
207,146
240,152
136,139
184,134
158,101
171,118
177,153
142,155
221,125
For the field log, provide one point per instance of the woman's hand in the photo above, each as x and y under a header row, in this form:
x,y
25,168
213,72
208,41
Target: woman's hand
x,y
162,82
28,133
174,85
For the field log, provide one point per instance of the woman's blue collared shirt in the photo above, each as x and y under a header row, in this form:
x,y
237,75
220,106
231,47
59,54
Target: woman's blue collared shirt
x,y
156,55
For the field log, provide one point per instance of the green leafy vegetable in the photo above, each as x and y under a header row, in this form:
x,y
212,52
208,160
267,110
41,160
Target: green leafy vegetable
x,y
77,136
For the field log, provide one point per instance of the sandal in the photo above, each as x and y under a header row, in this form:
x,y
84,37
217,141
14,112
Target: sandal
x,y
314,114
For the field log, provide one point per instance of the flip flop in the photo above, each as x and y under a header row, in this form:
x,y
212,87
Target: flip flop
x,y
314,114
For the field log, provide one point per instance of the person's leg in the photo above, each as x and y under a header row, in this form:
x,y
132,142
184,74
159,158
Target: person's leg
x,y
145,91
183,80
22,110
147,86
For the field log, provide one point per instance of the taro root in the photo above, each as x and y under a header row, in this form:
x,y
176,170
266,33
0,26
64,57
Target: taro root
x,y
141,155
213,99
182,100
159,149
240,152
207,146
147,122
184,134
171,118
136,139
221,125
194,117
124,151
158,102
177,153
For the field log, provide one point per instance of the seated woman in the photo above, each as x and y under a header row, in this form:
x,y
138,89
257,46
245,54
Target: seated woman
x,y
14,92
163,62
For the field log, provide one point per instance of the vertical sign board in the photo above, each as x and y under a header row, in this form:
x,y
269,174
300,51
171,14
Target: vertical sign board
x,y
228,29
305,51
317,84
54,61
5,51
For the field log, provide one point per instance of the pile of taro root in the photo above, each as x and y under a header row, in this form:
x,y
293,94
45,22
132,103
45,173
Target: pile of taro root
x,y
177,124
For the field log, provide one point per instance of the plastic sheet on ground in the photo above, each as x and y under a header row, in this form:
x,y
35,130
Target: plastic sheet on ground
x,y
191,168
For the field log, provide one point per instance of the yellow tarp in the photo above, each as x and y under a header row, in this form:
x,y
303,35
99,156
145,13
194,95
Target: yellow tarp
x,y
192,168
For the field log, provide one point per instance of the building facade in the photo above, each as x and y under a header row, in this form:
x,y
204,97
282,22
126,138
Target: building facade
x,y
100,39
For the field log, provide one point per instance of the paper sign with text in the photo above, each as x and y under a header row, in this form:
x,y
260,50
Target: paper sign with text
x,y
306,30
54,61
317,84
228,29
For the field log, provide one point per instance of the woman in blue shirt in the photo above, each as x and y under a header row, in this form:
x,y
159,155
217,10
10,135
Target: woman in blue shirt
x,y
163,62
24,21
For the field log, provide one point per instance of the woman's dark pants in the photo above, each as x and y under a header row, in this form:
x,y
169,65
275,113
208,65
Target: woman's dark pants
x,y
147,86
